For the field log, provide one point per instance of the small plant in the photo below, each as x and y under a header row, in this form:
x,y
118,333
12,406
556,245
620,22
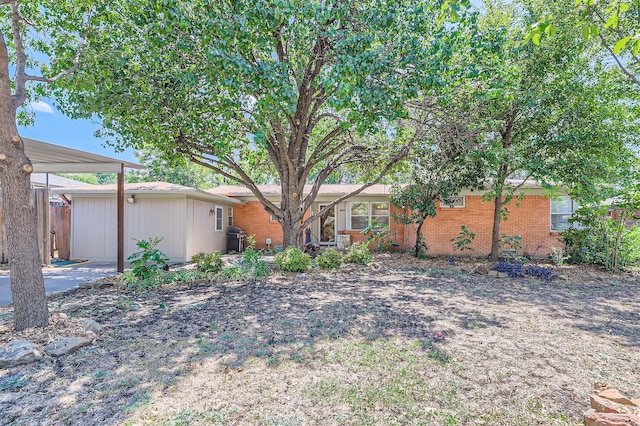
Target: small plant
x,y
292,259
149,259
330,259
358,253
518,270
512,242
152,280
208,262
557,256
379,235
464,239
234,273
254,264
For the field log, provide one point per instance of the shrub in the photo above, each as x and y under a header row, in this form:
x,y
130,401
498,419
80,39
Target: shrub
x,y
253,263
604,243
557,256
330,259
293,259
463,240
379,235
148,260
518,270
234,273
358,253
208,262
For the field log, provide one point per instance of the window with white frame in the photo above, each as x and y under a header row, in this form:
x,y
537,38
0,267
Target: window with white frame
x,y
229,216
458,203
562,209
364,213
219,218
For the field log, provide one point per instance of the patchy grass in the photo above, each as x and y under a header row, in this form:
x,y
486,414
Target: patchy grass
x,y
399,342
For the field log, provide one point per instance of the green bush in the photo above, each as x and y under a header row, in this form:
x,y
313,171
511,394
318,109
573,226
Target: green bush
x,y
208,262
251,266
358,253
148,260
293,259
597,244
329,259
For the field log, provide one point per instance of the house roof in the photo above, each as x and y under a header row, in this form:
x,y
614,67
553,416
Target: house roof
x,y
330,189
50,158
54,181
326,189
149,188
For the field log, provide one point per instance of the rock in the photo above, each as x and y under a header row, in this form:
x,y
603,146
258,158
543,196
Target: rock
x,y
301,277
91,325
348,268
493,273
615,396
593,418
64,345
481,269
59,316
91,335
376,266
18,352
502,275
563,277
604,405
95,285
202,281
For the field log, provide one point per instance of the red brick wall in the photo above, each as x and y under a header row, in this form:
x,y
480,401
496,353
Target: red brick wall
x,y
531,220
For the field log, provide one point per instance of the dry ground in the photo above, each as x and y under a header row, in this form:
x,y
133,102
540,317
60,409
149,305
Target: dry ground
x,y
403,342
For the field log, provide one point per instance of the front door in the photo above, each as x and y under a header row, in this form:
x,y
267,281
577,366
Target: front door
x,y
327,226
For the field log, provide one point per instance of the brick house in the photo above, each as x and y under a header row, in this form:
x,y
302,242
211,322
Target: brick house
x,y
536,218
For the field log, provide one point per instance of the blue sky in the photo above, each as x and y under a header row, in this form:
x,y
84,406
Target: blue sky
x,y
54,127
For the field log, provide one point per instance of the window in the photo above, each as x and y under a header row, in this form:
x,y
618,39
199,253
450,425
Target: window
x,y
230,216
561,210
363,213
458,203
273,218
219,218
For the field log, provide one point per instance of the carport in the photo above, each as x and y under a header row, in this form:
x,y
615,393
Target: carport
x,y
50,158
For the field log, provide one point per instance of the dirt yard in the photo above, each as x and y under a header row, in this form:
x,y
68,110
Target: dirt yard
x,y
400,342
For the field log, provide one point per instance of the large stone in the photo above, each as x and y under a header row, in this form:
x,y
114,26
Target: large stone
x,y
603,405
64,345
18,352
481,269
91,325
593,418
615,396
493,273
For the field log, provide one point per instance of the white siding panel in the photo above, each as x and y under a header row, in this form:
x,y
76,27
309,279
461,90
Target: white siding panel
x,y
94,228
202,236
156,218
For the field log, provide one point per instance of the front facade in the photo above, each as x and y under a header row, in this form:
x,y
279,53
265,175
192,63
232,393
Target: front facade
x,y
188,221
536,217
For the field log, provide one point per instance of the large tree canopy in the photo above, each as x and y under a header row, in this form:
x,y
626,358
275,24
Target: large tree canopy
x,y
295,88
40,43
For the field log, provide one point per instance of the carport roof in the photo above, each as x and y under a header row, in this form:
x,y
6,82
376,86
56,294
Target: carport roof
x,y
50,158
148,188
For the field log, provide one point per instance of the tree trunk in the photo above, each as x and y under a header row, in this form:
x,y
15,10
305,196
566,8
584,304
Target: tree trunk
x,y
27,282
25,265
418,247
292,235
495,234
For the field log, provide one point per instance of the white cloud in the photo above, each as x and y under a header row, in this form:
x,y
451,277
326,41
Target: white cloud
x,y
41,107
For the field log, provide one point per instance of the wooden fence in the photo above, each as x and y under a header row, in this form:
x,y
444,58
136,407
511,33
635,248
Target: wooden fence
x,y
41,201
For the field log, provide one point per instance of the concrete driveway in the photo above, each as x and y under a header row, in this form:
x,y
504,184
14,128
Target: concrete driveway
x,y
62,278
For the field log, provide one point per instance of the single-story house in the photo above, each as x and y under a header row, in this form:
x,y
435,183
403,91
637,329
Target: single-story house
x,y
536,217
188,220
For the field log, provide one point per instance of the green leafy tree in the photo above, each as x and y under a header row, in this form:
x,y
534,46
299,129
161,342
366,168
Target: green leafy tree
x,y
40,43
545,114
439,174
292,89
